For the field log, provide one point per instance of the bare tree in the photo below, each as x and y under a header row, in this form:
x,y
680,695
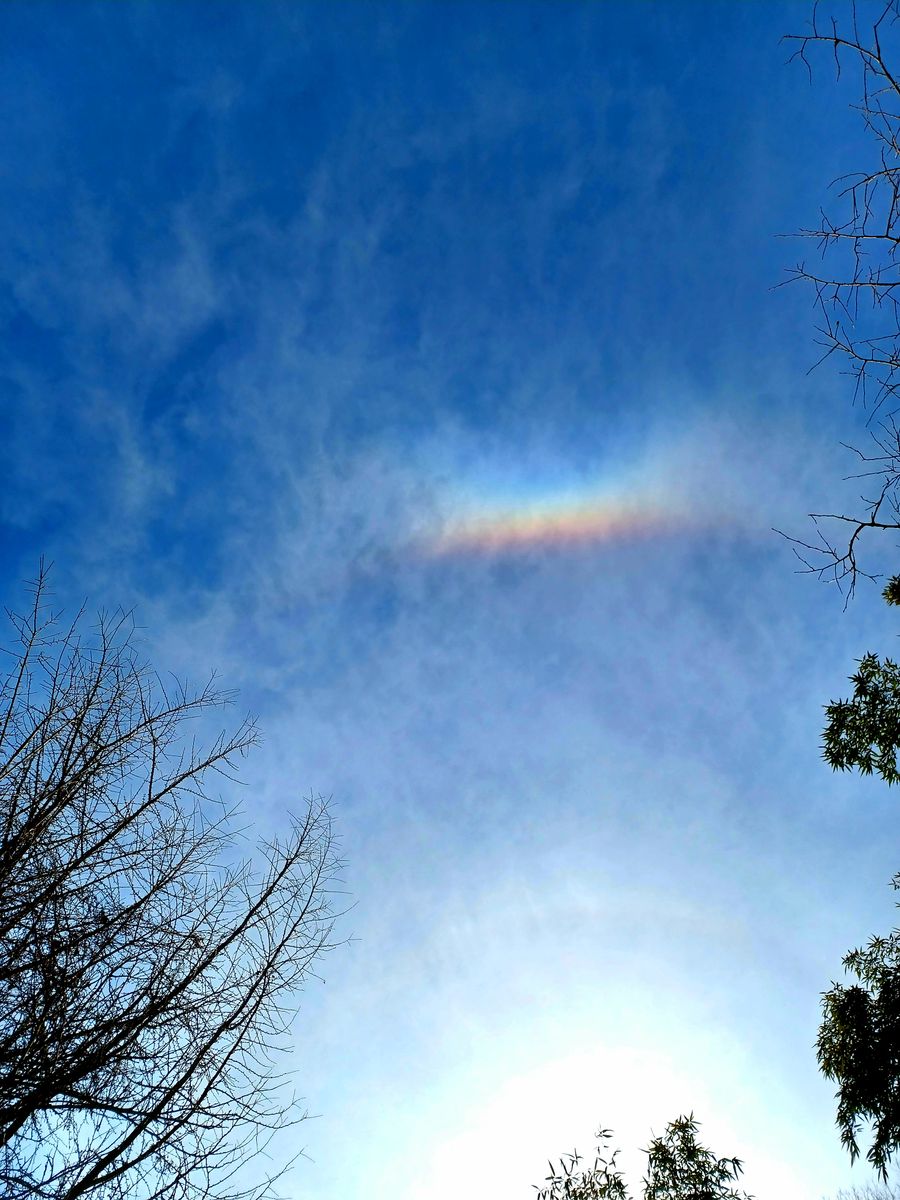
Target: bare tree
x,y
857,286
869,1191
147,972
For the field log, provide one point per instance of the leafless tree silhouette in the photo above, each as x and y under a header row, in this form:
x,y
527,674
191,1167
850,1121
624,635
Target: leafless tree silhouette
x,y
869,1191
857,286
147,972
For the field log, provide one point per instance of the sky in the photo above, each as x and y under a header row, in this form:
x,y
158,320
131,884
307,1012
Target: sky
x,y
421,369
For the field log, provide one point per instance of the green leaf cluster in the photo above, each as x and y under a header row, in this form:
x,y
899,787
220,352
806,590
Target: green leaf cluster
x,y
601,1180
678,1168
864,732
859,1047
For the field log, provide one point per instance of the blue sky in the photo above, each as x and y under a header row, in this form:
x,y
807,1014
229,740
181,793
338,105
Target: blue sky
x,y
287,290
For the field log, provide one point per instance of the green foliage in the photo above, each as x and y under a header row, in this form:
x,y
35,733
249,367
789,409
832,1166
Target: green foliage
x,y
859,1047
859,1038
678,1168
600,1181
865,732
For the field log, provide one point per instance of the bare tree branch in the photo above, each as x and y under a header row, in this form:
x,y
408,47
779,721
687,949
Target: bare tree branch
x,y
147,976
858,298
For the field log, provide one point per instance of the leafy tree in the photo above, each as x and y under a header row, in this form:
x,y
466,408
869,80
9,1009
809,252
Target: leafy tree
x,y
146,971
602,1180
864,732
859,1047
678,1168
859,1038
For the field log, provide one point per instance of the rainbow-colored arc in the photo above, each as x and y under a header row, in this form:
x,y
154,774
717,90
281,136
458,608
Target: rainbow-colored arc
x,y
610,520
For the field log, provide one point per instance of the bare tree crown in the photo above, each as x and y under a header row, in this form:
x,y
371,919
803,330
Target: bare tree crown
x,y
147,975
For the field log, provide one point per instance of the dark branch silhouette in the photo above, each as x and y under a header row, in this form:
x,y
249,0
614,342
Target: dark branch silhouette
x,y
858,295
147,972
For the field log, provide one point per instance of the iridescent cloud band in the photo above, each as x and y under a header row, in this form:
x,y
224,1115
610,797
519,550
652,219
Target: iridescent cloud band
x,y
555,525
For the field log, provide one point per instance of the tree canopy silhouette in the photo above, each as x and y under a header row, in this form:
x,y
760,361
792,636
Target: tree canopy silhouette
x,y
859,1047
